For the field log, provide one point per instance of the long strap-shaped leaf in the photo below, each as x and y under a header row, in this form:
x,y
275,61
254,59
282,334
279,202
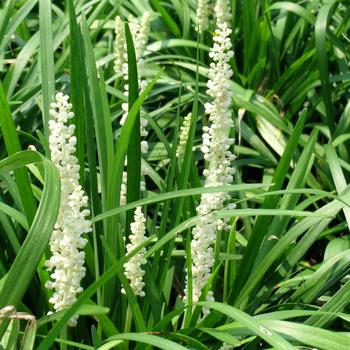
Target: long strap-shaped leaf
x,y
289,201
322,59
115,180
330,209
46,59
5,18
32,249
316,337
134,148
176,194
76,86
338,176
334,305
102,123
262,223
13,145
252,323
150,339
9,28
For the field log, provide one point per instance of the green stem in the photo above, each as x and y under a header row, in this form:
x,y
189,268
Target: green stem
x,y
63,336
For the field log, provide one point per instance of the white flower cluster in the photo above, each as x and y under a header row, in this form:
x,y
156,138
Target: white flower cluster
x,y
66,243
139,29
120,45
202,16
226,346
216,149
133,268
184,130
123,188
124,185
222,11
216,141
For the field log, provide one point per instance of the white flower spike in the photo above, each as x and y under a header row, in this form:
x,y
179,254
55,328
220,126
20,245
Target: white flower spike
x,y
67,261
139,29
133,268
216,149
222,11
120,45
184,130
202,15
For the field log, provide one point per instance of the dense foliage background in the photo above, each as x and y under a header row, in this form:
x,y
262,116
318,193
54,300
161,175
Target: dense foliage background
x,y
281,274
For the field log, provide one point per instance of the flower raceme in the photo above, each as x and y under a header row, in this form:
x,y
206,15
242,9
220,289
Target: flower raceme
x,y
133,268
67,261
202,15
184,130
222,11
120,45
216,148
139,29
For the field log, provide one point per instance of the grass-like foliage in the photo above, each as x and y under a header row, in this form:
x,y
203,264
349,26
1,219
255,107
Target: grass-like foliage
x,y
281,261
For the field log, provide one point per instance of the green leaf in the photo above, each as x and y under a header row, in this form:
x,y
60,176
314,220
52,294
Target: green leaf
x,y
18,160
134,147
322,59
170,23
5,18
16,20
338,176
335,304
281,245
159,342
115,180
336,246
76,86
32,249
15,214
329,273
102,123
29,336
262,223
176,194
46,60
84,310
295,8
223,336
257,327
12,143
289,201
312,336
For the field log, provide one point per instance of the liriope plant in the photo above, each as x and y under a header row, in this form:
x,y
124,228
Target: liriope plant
x,y
278,267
